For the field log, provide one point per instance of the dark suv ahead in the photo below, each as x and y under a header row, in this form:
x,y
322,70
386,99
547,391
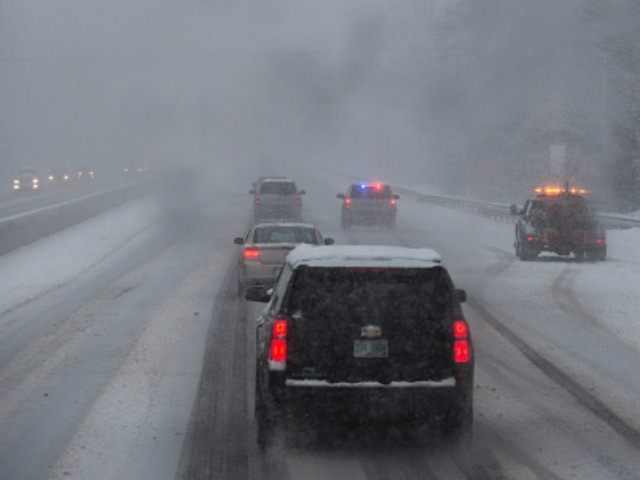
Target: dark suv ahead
x,y
362,334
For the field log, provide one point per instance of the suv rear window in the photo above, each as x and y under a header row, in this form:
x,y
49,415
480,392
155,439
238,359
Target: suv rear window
x,y
359,191
278,188
373,293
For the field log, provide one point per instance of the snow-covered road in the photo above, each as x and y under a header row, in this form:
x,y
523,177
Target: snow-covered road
x,y
134,359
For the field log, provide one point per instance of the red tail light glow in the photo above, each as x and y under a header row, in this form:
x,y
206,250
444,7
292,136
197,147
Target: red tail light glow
x,y
461,351
280,328
278,351
530,238
460,329
278,346
256,200
461,346
394,202
347,202
251,253
298,200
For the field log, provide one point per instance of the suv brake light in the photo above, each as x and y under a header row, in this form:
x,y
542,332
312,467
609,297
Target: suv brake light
x,y
278,345
461,346
251,253
394,202
256,200
347,202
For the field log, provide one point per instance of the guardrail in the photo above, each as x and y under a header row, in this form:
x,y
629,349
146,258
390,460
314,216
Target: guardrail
x,y
22,229
500,211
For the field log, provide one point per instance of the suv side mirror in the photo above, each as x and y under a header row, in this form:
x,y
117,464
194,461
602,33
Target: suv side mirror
x,y
514,210
329,241
462,295
257,293
340,196
395,196
238,241
252,191
302,192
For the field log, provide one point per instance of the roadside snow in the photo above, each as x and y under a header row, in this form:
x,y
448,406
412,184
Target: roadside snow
x,y
137,426
47,264
612,291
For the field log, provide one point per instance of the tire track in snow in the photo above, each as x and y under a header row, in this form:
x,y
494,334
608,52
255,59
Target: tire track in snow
x,y
582,395
217,442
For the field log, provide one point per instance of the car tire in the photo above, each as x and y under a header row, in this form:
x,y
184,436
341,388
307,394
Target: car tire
x,y
265,418
391,223
522,254
596,256
264,427
457,424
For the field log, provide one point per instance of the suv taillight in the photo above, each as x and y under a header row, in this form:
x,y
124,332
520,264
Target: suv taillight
x,y
347,202
461,346
278,345
394,202
251,253
298,200
256,199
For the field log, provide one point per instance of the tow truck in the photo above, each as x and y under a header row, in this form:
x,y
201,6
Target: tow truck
x,y
559,219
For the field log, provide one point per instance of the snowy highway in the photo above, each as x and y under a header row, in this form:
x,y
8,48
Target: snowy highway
x,y
133,357
12,203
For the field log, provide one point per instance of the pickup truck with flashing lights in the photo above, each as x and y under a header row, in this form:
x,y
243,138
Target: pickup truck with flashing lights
x,y
559,220
369,203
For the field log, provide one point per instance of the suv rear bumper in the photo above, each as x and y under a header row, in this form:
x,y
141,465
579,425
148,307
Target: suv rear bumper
x,y
367,401
368,217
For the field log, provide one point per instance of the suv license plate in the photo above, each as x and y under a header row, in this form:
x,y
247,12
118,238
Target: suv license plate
x,y
370,348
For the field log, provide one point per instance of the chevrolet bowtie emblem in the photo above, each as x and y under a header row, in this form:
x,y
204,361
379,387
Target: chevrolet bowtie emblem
x,y
371,331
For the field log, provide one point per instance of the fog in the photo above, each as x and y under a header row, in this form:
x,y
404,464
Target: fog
x,y
465,97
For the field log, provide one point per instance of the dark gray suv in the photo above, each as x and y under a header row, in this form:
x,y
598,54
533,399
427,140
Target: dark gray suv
x,y
277,199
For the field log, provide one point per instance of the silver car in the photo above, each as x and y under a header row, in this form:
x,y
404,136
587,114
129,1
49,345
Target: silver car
x,y
265,249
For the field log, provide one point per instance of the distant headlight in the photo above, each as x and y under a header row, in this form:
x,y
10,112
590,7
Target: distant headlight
x,y
66,177
16,182
16,186
51,178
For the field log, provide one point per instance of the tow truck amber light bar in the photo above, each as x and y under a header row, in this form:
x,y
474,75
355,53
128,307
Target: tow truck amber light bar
x,y
554,190
461,347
